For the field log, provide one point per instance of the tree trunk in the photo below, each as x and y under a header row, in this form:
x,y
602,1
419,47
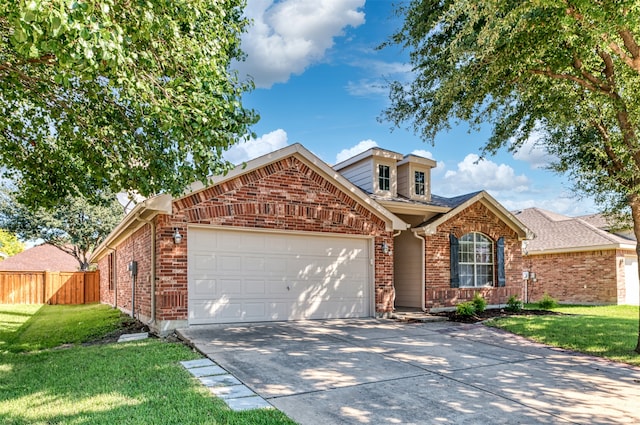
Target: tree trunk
x,y
634,202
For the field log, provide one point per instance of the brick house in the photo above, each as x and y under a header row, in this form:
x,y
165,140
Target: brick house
x,y
288,237
579,260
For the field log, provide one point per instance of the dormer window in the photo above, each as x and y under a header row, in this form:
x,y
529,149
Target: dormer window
x,y
384,177
419,183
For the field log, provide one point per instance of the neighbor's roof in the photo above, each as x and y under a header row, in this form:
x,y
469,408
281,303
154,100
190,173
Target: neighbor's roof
x,y
559,233
43,257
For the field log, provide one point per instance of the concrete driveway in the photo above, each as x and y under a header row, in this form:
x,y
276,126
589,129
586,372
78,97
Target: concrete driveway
x,y
387,372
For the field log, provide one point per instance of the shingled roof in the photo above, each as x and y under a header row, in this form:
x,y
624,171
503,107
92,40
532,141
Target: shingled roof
x,y
559,233
43,257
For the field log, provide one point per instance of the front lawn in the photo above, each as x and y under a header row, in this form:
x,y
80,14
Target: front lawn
x,y
36,327
604,331
134,383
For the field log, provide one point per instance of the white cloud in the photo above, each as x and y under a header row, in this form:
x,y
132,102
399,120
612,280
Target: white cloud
x,y
288,36
562,203
474,174
534,152
245,151
360,147
383,72
423,153
366,87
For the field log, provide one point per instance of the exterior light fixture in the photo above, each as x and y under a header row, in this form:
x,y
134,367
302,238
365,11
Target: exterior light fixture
x,y
177,237
385,247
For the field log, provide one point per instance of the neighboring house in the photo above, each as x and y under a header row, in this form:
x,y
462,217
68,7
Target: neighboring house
x,y
287,237
579,260
43,257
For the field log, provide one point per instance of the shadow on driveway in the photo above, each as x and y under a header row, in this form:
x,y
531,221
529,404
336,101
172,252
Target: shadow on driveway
x,y
370,371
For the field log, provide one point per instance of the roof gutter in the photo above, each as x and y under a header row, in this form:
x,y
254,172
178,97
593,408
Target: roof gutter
x,y
582,249
149,208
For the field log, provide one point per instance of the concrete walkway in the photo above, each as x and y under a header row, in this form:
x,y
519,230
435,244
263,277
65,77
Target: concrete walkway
x,y
386,372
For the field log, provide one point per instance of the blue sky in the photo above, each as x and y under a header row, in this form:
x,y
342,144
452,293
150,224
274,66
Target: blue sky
x,y
320,81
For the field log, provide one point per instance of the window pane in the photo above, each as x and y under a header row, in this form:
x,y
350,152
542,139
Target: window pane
x,y
466,275
383,177
419,182
476,260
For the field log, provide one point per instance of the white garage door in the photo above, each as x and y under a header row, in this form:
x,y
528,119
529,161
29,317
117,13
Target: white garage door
x,y
245,276
631,280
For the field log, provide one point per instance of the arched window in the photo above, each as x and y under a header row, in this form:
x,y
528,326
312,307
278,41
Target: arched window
x,y
475,260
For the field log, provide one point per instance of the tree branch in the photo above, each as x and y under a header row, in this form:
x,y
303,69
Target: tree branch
x,y
581,82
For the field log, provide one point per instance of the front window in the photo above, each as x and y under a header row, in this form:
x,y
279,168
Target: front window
x,y
384,179
476,260
419,182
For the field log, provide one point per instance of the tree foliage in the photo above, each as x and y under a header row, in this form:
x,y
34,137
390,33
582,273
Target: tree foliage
x,y
9,244
75,225
118,95
566,72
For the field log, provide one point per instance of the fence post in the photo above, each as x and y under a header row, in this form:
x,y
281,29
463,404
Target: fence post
x,y
46,282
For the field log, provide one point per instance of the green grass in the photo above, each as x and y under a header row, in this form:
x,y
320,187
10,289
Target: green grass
x,y
128,383
36,327
605,331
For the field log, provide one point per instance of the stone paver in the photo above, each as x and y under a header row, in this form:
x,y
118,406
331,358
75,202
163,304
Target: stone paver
x,y
224,385
133,337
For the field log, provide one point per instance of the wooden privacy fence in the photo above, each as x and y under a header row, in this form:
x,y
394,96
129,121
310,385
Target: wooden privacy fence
x,y
49,287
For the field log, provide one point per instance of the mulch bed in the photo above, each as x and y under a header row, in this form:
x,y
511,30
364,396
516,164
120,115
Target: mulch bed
x,y
491,313
129,326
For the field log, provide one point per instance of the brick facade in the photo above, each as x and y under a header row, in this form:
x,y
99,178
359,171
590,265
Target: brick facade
x,y
136,247
475,218
287,195
596,277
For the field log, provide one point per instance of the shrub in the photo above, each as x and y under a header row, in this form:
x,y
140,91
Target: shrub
x,y
547,302
466,309
479,303
514,304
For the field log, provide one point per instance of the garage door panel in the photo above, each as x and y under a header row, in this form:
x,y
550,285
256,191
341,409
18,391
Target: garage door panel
x,y
203,288
255,276
204,261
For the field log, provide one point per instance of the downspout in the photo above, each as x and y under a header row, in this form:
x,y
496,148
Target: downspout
x,y
423,265
153,265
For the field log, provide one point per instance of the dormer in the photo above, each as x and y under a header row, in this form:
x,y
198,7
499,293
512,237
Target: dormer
x,y
414,177
374,171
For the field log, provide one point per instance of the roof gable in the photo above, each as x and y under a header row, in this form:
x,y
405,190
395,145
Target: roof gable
x,y
317,165
459,203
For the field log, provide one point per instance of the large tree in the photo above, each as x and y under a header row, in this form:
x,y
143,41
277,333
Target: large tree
x,y
564,71
74,225
118,95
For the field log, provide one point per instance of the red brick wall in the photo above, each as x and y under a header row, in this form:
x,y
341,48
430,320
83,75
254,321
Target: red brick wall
x,y
135,248
475,218
286,195
590,277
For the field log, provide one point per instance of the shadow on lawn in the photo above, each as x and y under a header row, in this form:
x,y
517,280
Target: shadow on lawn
x,y
134,383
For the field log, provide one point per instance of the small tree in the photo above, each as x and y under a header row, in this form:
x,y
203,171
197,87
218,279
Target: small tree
x,y
74,225
9,244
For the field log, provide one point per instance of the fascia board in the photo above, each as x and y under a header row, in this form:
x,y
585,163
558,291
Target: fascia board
x,y
145,210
